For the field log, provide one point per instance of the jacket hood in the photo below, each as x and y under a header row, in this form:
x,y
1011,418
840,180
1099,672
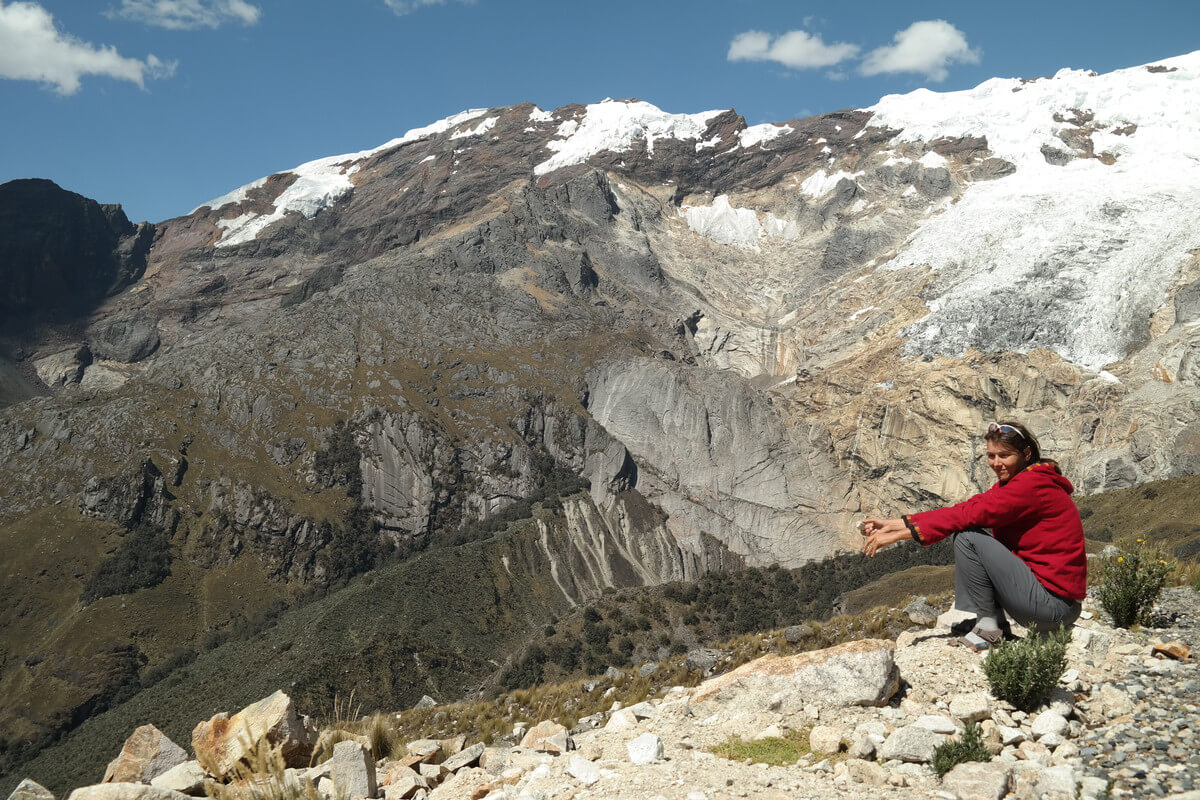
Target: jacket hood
x,y
1048,471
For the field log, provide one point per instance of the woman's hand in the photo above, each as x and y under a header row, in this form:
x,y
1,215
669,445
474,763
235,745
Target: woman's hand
x,y
882,532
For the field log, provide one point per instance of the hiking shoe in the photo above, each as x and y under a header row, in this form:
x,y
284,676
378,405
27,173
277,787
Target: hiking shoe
x,y
962,627
979,640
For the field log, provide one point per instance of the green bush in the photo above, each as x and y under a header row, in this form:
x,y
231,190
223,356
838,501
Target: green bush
x,y
969,748
141,560
1130,583
1025,671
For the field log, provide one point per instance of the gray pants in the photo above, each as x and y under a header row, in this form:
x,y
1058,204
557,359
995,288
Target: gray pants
x,y
990,581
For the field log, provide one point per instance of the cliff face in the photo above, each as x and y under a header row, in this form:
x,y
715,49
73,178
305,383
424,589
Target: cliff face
x,y
740,337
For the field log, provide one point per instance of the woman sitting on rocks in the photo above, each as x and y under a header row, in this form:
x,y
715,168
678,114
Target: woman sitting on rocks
x,y
1031,567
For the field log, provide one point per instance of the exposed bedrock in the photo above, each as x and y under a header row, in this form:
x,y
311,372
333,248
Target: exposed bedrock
x,y
717,458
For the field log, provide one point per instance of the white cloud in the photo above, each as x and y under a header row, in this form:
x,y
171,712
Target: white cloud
x,y
926,47
795,49
188,14
402,7
32,49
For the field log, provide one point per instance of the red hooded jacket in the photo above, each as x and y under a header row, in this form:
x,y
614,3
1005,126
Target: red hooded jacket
x,y
1032,515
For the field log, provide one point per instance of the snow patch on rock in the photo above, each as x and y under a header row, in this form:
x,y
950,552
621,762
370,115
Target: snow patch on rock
x,y
740,227
613,126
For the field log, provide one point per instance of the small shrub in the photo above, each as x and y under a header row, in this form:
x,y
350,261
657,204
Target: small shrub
x,y
1025,671
969,748
1130,583
142,560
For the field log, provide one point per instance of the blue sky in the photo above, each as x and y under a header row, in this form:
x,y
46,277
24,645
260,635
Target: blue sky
x,y
161,105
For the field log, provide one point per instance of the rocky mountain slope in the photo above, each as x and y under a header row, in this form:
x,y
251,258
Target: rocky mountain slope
x,y
861,719
740,337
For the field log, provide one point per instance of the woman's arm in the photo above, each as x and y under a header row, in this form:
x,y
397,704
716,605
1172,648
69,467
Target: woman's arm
x,y
882,532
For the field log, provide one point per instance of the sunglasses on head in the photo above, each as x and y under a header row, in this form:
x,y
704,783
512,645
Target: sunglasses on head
x,y
996,427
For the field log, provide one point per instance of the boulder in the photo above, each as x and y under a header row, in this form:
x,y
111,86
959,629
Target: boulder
x,y
426,750
31,790
860,673
146,754
910,743
645,749
223,741
1113,701
975,780
547,737
426,702
465,758
125,791
642,710
352,771
187,778
647,669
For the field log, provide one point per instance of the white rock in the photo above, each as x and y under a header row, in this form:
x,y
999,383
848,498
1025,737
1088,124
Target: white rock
x,y
621,720
971,707
642,710
1049,722
1051,740
936,723
1060,781
911,743
1010,735
769,732
586,772
645,749
825,739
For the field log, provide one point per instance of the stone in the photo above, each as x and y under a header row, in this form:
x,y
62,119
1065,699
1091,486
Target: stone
x,y
952,617
426,750
395,772
454,744
797,633
645,749
582,770
352,770
1049,722
433,773
859,673
936,723
864,747
647,669
1092,788
825,740
426,702
187,778
548,737
769,732
223,741
1113,702
613,674
31,790
1058,782
642,710
1010,735
974,780
971,707
920,612
865,772
703,659
146,754
125,791
63,368
620,720
404,787
466,758
911,744
1032,751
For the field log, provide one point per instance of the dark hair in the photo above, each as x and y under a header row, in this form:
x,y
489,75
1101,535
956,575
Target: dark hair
x,y
1017,437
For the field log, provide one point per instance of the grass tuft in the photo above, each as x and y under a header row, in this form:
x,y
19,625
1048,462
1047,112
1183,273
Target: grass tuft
x,y
969,748
773,750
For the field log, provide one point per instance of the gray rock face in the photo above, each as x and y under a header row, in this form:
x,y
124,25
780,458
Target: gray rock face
x,y
352,770
126,340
